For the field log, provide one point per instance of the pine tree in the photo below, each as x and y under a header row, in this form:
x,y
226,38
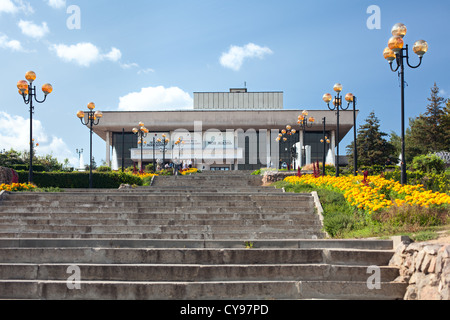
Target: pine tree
x,y
373,148
433,134
445,122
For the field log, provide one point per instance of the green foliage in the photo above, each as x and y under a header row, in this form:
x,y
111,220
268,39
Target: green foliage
x,y
428,163
149,168
165,172
104,169
373,149
25,167
80,180
257,172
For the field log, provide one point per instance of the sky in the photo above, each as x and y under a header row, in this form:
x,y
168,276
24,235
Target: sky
x,y
153,55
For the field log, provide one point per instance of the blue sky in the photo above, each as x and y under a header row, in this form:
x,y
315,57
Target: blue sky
x,y
155,54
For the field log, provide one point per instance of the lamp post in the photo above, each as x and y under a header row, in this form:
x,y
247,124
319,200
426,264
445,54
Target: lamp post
x,y
304,123
325,141
281,138
142,134
28,92
178,143
165,141
338,106
396,51
92,119
154,152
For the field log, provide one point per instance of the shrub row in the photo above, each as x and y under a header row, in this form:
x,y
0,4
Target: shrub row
x,y
80,180
26,167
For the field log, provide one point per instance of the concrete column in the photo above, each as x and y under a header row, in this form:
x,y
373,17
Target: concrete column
x,y
236,146
302,144
333,145
268,148
108,149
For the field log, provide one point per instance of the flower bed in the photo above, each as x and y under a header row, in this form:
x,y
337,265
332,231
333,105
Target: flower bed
x,y
189,171
17,187
375,193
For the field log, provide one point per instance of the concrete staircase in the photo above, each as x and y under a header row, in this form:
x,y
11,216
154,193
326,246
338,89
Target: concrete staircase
x,y
207,236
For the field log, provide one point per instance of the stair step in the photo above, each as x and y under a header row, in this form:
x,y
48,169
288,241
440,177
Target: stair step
x,y
239,290
193,273
366,245
196,256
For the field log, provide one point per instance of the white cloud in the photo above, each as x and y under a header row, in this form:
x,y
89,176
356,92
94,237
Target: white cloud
x,y
129,65
13,136
156,99
13,45
9,6
56,4
146,71
114,55
84,54
33,30
234,58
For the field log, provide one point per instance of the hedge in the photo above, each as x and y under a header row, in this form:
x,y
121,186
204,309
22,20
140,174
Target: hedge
x,y
25,167
79,180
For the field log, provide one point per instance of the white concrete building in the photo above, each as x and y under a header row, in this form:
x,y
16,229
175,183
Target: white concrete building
x,y
224,136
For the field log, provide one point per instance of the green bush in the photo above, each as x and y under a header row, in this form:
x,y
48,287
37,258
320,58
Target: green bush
x,y
80,180
428,163
25,167
336,224
104,169
149,168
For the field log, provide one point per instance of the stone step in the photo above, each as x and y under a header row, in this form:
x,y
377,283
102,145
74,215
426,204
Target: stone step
x,y
168,216
158,229
24,222
193,273
158,204
183,190
256,235
239,290
136,197
151,209
199,256
366,245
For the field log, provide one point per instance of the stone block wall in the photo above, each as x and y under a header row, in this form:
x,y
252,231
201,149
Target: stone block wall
x,y
8,176
426,268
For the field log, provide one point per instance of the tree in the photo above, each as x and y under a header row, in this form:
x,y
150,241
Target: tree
x,y
445,122
10,158
373,148
433,133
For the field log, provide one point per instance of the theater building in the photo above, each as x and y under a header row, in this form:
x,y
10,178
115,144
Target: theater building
x,y
235,130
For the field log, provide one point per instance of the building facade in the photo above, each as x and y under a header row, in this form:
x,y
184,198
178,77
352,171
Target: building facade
x,y
222,136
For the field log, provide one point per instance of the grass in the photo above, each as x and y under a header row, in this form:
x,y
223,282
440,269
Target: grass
x,y
342,222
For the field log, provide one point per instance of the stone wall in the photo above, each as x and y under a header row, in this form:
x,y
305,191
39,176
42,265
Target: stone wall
x,y
426,267
275,176
8,176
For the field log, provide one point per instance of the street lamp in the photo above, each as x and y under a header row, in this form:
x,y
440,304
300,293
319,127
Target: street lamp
x,y
178,143
396,51
304,123
164,141
28,92
326,142
282,138
92,119
142,134
338,106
